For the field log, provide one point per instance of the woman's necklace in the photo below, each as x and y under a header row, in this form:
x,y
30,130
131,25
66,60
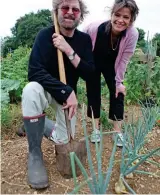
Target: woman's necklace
x,y
112,43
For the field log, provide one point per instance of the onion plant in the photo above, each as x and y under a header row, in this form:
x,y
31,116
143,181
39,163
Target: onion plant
x,y
133,155
97,183
135,138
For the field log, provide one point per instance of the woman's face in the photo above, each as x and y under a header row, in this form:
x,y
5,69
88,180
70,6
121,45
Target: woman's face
x,y
121,20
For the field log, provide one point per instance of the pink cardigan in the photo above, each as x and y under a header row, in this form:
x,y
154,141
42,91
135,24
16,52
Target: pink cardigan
x,y
126,48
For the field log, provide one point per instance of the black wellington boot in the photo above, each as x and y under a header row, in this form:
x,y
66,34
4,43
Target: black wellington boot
x,y
37,174
48,128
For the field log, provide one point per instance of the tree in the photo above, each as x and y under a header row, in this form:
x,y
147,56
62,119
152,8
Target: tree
x,y
26,29
8,45
141,41
141,34
156,39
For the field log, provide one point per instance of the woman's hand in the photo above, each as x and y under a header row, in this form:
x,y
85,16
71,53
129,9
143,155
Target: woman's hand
x,y
120,89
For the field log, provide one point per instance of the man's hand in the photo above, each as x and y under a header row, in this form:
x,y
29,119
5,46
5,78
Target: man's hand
x,y
60,43
71,104
120,89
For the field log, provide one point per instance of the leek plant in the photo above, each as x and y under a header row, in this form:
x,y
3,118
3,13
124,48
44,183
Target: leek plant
x,y
135,137
97,183
133,155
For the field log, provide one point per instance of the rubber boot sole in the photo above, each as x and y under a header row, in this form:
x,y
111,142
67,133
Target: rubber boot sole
x,y
38,186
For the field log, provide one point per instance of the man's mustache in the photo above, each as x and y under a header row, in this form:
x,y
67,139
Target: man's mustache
x,y
71,17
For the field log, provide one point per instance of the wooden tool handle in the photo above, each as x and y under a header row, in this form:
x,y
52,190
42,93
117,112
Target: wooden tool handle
x,y
62,78
60,55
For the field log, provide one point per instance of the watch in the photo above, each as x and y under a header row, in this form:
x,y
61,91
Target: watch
x,y
72,56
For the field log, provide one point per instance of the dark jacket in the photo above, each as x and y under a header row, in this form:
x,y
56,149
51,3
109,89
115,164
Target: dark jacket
x,y
43,63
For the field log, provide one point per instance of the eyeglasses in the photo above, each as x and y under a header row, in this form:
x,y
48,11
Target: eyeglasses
x,y
65,10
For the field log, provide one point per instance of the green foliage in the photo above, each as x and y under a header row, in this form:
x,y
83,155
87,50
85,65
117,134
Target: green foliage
x,y
137,83
15,67
134,82
8,45
8,90
141,34
6,117
8,87
82,98
141,41
26,29
104,120
155,82
156,39
81,92
151,48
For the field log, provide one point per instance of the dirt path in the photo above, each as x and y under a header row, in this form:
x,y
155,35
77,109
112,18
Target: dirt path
x,y
14,158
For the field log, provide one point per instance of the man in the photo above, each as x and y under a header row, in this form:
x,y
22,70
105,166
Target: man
x,y
45,88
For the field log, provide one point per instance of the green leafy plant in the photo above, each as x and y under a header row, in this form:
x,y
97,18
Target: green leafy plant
x,y
81,92
104,119
15,67
142,73
141,82
8,88
6,117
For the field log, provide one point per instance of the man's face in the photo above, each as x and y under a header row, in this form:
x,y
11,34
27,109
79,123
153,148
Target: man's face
x,y
69,14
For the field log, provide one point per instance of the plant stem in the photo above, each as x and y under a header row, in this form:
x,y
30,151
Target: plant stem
x,y
126,184
146,173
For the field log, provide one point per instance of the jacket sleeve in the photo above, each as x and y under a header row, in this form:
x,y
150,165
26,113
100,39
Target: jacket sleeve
x,y
126,56
92,30
38,72
86,65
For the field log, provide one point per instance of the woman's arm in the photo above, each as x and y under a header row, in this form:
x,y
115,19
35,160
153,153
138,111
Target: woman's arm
x,y
123,60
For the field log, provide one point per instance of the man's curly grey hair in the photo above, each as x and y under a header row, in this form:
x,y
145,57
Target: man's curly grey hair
x,y
83,8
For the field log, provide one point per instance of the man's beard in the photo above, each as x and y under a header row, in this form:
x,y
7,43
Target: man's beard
x,y
66,26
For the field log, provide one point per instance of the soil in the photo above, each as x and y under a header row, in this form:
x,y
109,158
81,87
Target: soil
x,y
14,159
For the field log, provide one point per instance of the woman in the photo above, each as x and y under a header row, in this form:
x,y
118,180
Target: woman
x,y
114,43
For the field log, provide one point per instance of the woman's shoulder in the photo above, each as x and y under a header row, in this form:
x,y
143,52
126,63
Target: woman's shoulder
x,y
132,31
93,27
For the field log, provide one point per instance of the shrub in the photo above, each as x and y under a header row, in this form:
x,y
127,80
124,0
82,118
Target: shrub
x,y
15,66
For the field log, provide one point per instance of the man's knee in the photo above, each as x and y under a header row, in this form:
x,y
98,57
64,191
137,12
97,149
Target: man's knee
x,y
34,101
31,90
